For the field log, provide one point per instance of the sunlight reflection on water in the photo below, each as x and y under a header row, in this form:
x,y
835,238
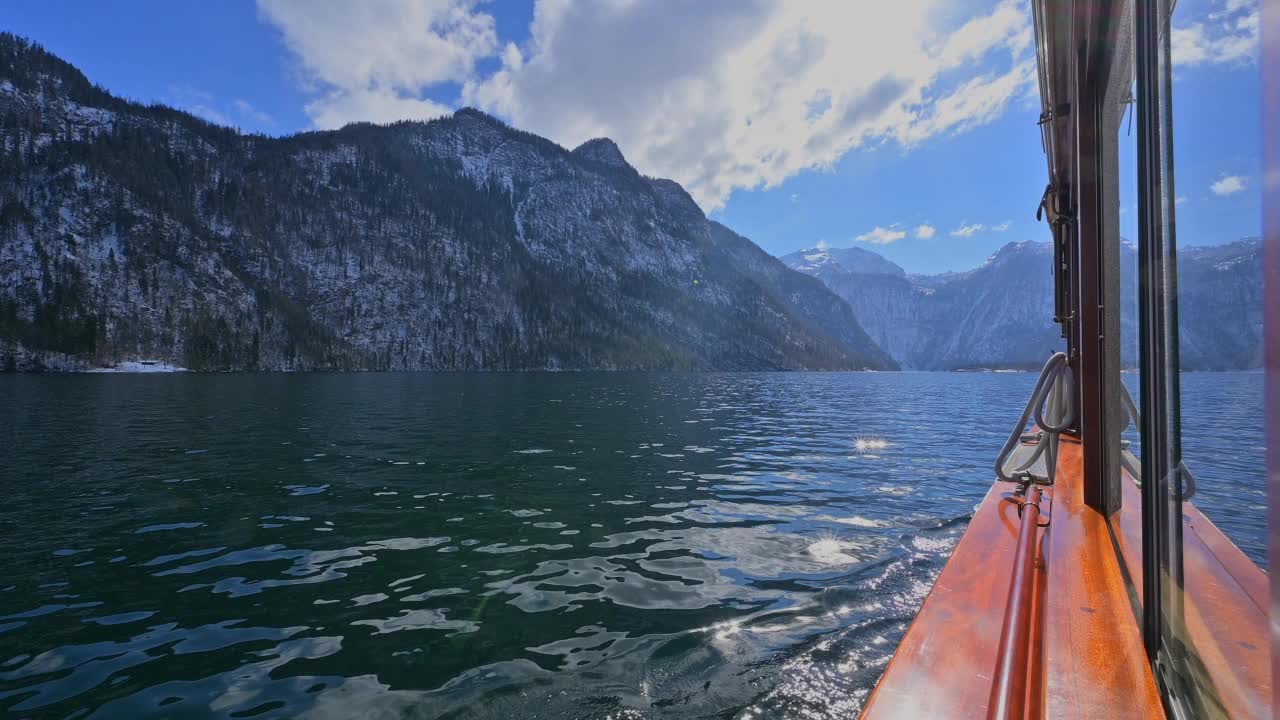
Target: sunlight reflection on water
x,y
493,546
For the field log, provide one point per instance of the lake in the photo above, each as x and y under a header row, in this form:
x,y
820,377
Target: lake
x,y
504,545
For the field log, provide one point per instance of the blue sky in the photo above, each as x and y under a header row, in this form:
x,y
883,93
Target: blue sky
x,y
912,129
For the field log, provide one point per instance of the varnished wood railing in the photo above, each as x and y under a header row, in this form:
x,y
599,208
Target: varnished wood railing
x,y
1083,655
1009,684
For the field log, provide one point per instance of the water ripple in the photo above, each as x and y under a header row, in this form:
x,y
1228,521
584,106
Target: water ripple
x,y
500,546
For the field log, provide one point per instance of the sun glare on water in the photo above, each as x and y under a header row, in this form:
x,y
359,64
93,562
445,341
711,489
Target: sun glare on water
x,y
829,549
870,445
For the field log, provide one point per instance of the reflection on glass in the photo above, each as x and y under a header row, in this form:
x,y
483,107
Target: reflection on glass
x,y
1189,589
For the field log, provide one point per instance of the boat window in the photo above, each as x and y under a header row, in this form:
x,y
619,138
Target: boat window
x,y
1124,414
1199,323
1218,283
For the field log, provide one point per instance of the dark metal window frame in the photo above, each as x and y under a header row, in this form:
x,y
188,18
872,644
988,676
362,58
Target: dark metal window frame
x,y
1155,326
1103,74
1163,626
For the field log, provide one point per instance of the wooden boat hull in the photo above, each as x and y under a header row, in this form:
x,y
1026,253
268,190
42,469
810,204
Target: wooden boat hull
x,y
1085,655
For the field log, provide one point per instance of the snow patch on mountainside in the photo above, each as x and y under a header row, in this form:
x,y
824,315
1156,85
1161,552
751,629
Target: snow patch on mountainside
x,y
132,232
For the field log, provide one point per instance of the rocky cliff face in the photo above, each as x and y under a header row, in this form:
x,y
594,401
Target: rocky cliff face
x,y
131,231
1220,306
1000,314
992,316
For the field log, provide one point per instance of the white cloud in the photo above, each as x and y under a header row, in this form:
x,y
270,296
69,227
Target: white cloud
x,y
339,107
977,102
1228,185
208,113
925,231
722,96
1002,226
373,60
197,102
1180,200
1228,35
822,245
968,230
249,112
718,96
204,104
881,236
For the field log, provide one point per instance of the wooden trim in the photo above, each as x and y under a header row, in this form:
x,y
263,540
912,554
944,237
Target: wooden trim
x,y
1085,656
1009,686
1095,664
944,664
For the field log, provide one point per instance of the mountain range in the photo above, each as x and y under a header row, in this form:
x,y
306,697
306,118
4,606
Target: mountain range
x,y
999,314
133,231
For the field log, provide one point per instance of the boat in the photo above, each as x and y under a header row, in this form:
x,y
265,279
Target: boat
x,y
1088,584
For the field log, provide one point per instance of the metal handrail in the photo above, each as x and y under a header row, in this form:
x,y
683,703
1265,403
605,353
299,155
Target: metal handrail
x,y
1052,403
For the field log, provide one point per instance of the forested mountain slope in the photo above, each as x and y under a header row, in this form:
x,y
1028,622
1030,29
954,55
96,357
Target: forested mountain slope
x,y
130,231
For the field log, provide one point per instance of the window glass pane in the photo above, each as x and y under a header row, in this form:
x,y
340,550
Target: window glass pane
x,y
1216,136
1200,345
1131,368
1217,209
1127,399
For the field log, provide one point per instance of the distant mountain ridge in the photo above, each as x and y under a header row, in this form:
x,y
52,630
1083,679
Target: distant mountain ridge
x,y
131,231
999,315
837,261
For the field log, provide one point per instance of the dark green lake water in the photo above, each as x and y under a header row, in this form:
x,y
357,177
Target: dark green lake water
x,y
502,545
